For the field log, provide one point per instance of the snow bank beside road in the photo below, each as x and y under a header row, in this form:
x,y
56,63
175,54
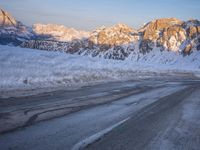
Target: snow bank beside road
x,y
27,68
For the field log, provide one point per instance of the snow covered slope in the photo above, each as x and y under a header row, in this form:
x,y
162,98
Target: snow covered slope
x,y
22,68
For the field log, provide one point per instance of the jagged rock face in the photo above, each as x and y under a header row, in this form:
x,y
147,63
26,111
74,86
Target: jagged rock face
x,y
153,29
113,36
170,34
12,31
59,32
192,31
153,34
6,19
173,37
193,36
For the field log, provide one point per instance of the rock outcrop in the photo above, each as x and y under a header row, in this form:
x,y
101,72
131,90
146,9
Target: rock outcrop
x,y
153,29
170,34
6,19
13,31
117,35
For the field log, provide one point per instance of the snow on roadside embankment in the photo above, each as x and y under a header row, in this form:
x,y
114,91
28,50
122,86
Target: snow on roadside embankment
x,y
22,68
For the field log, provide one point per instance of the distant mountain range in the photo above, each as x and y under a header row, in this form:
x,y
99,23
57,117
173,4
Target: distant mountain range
x,y
117,42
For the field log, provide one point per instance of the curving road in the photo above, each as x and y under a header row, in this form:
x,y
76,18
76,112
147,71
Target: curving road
x,y
171,123
146,114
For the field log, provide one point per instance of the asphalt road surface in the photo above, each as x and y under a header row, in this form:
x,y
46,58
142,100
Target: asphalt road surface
x,y
146,114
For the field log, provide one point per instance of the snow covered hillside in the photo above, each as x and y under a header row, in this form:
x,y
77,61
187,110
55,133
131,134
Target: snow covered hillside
x,y
22,68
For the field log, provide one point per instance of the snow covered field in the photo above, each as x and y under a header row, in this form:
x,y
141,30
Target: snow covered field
x,y
22,68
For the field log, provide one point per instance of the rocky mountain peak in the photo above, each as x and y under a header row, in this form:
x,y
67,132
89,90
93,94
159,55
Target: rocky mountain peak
x,y
119,34
153,29
6,19
12,31
170,34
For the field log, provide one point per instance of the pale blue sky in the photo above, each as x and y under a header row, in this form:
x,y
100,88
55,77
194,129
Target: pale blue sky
x,y
89,14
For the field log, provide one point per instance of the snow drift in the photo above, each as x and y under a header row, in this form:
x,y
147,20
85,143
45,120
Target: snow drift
x,y
22,68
